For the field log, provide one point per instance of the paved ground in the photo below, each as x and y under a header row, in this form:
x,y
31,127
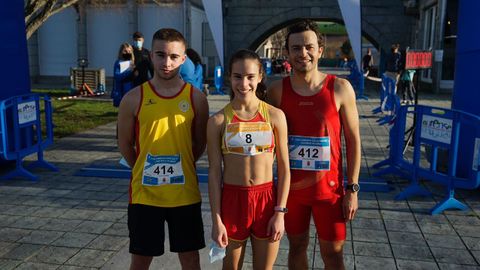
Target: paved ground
x,y
70,222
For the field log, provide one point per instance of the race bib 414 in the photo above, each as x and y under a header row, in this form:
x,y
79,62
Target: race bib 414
x,y
161,170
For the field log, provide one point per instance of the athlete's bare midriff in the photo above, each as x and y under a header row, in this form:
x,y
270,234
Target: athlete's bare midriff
x,y
244,170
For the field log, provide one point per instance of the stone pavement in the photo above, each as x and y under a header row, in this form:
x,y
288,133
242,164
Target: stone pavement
x,y
70,222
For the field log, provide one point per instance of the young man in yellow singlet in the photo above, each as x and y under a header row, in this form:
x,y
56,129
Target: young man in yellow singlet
x,y
161,134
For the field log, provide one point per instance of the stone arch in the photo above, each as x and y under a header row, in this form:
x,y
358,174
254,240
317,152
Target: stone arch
x,y
249,22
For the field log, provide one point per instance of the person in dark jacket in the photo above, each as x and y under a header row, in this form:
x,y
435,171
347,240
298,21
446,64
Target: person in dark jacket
x,y
367,62
123,73
394,63
143,64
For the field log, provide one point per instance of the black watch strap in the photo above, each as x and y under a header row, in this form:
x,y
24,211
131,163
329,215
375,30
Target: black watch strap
x,y
280,209
353,187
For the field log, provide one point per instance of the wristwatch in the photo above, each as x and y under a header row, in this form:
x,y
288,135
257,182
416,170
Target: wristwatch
x,y
353,187
280,209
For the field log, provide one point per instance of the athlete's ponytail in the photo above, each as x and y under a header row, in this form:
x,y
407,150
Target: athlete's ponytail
x,y
244,54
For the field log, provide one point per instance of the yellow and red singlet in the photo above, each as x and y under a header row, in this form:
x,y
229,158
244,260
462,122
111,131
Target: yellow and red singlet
x,y
164,172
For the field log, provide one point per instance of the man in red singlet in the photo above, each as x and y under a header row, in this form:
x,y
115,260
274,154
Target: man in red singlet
x,y
318,108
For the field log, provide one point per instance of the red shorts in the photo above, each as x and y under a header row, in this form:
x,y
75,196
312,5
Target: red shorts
x,y
327,215
247,210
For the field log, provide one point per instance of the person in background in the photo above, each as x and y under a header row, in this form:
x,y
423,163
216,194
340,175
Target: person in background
x,y
406,86
393,63
198,72
287,67
245,137
123,73
187,71
367,62
143,64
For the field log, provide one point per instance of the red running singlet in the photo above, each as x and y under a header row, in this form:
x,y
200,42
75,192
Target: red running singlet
x,y
314,131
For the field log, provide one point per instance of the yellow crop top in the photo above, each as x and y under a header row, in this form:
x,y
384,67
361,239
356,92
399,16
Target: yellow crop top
x,y
248,137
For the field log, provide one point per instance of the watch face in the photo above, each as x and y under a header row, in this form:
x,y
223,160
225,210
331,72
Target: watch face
x,y
354,187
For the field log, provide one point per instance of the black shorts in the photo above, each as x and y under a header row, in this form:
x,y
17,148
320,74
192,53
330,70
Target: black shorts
x,y
146,226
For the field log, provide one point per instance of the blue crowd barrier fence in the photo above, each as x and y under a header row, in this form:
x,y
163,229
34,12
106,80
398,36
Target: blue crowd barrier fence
x,y
389,101
21,126
218,80
357,80
396,163
436,130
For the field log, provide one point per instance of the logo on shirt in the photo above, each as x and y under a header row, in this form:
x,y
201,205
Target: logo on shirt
x,y
150,102
184,106
305,103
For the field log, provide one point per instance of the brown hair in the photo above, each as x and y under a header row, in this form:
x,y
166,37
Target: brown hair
x,y
169,35
244,54
194,56
306,25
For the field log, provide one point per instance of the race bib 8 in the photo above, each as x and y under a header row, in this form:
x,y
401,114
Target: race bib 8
x,y
309,153
162,170
248,138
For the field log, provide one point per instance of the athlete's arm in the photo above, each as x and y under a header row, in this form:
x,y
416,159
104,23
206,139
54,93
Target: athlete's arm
x,y
200,122
126,125
214,133
345,97
276,226
274,93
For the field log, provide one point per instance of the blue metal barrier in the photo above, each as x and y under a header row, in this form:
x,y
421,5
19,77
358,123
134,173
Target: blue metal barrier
x,y
389,101
435,128
218,79
387,88
357,80
22,115
396,163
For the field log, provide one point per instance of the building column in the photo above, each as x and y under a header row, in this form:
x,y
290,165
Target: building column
x,y
33,61
437,65
132,8
186,11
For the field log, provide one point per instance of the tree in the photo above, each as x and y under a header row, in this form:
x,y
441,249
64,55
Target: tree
x,y
38,11
278,42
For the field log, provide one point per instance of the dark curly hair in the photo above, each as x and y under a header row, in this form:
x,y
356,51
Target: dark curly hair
x,y
306,25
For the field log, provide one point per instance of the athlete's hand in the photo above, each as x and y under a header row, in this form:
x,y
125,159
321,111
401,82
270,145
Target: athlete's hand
x,y
350,205
276,226
219,235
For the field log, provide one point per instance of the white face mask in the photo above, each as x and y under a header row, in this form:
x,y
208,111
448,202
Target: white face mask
x,y
138,44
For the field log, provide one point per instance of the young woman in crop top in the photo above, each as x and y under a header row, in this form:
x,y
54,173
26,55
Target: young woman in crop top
x,y
245,137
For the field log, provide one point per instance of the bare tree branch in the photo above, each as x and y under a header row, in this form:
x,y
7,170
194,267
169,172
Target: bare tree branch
x,y
38,11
